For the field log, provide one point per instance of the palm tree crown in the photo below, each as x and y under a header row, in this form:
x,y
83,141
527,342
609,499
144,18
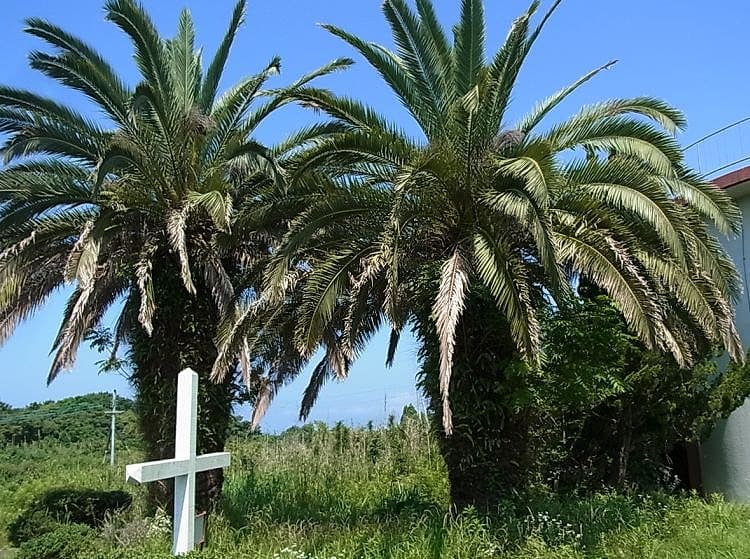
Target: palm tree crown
x,y
518,210
152,187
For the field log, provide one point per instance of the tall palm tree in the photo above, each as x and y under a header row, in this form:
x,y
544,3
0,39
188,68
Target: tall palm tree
x,y
466,232
137,208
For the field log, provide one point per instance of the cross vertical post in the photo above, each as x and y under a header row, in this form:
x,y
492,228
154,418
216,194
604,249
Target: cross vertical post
x,y
184,466
185,438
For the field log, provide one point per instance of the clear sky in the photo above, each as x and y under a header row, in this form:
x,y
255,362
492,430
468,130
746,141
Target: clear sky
x,y
691,53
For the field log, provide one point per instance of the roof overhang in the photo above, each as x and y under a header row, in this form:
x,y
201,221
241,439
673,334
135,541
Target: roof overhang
x,y
736,183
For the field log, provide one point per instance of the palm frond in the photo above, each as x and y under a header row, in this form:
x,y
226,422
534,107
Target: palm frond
x,y
504,274
421,59
145,282
393,340
394,72
430,28
215,70
86,308
608,265
323,290
706,199
80,67
184,67
150,53
176,229
320,375
531,120
449,304
468,53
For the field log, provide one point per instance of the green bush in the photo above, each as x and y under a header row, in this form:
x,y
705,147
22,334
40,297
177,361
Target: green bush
x,y
65,542
59,506
30,525
610,410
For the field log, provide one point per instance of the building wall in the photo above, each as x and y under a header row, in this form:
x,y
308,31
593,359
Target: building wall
x,y
726,454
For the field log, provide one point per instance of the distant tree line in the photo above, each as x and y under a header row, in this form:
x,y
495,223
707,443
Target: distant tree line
x,y
79,419
71,420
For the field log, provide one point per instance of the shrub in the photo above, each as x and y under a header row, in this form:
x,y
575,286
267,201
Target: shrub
x,y
65,542
60,506
30,525
611,409
82,506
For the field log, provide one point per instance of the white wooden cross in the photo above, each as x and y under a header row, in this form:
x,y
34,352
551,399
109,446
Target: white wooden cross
x,y
183,466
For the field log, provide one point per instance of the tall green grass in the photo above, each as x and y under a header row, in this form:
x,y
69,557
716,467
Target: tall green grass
x,y
336,475
336,493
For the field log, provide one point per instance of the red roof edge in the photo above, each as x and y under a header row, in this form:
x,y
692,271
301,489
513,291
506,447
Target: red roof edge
x,y
733,179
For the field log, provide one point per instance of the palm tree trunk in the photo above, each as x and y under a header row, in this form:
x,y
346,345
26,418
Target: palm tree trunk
x,y
183,330
489,453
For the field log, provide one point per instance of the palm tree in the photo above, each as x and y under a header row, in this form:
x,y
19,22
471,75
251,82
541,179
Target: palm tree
x,y
137,209
467,232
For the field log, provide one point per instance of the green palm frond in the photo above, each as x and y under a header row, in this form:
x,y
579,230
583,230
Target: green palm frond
x,y
531,120
320,375
343,109
394,72
215,69
608,264
323,290
504,274
184,65
468,54
420,56
229,110
504,69
435,38
706,200
627,187
39,135
149,49
81,67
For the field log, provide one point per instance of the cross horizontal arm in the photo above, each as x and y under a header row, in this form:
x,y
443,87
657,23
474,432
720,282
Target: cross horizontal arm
x,y
211,461
164,469
153,471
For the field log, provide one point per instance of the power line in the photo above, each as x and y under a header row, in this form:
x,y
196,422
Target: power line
x,y
20,415
15,417
717,132
722,149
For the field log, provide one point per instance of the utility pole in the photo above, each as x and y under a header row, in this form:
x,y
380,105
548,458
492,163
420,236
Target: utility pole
x,y
113,413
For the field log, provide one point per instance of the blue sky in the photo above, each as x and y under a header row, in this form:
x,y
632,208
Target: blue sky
x,y
692,54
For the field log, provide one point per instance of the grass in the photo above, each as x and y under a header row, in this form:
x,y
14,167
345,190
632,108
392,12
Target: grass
x,y
324,493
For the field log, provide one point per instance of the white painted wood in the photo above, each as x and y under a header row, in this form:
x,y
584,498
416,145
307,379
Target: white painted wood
x,y
183,534
154,471
211,461
183,466
163,469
